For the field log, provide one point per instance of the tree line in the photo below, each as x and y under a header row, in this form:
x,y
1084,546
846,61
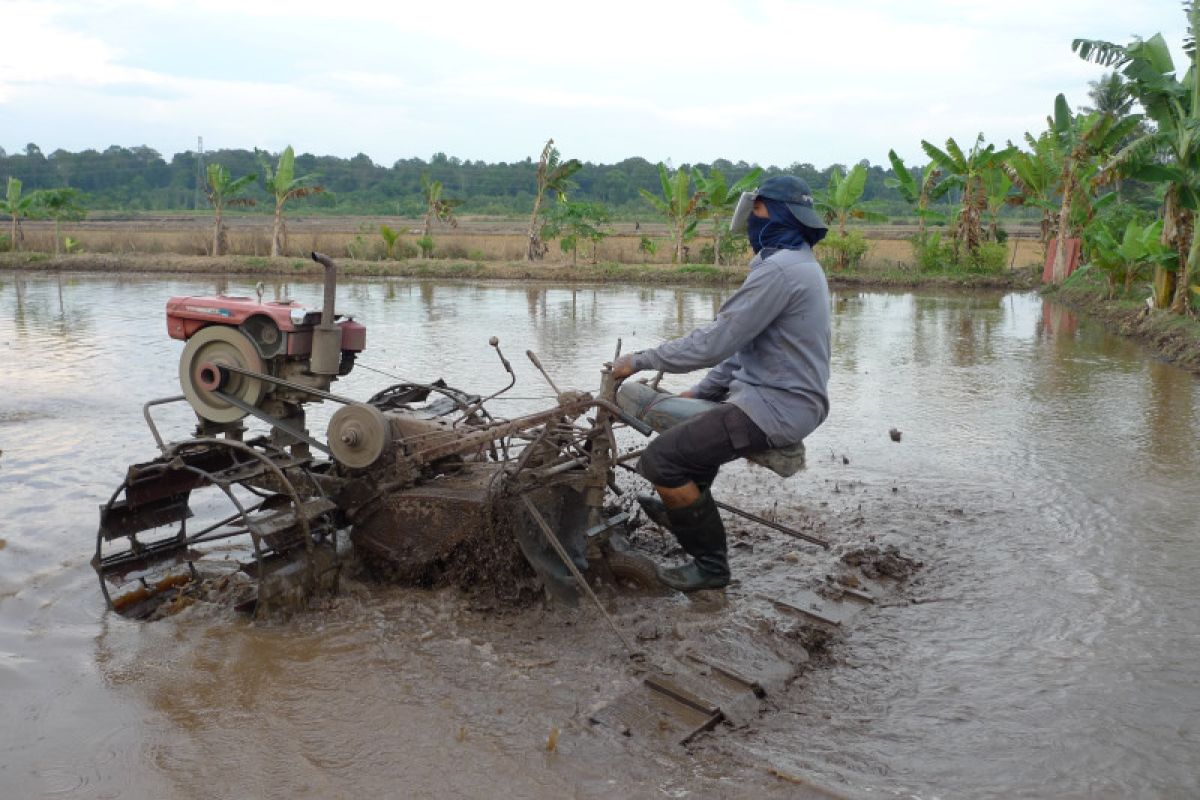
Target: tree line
x,y
140,179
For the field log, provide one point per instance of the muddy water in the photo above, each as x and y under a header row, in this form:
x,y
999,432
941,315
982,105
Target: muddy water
x,y
1046,476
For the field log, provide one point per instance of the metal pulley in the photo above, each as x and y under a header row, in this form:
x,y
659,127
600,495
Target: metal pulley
x,y
358,435
200,377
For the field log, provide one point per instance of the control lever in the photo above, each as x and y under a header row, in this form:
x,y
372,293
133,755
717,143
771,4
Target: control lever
x,y
495,342
533,357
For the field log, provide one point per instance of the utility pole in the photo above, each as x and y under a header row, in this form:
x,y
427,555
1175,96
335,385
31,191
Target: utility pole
x,y
200,174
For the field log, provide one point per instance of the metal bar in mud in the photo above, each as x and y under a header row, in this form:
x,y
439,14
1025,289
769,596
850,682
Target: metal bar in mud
x,y
548,532
740,512
774,525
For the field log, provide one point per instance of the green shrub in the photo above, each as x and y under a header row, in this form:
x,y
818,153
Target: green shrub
x,y
426,245
931,253
845,252
991,257
5,243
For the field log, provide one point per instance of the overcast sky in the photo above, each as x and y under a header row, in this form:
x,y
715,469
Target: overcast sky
x,y
772,82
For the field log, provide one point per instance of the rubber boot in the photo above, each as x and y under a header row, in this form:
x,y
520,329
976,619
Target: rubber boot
x,y
656,511
701,534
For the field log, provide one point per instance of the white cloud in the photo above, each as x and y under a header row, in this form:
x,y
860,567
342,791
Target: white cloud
x,y
772,81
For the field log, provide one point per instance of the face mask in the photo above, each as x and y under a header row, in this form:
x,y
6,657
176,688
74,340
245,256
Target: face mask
x,y
755,227
741,212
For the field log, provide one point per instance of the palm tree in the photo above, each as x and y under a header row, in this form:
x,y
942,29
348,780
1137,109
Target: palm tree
x,y
60,204
553,175
223,191
17,206
437,208
840,199
718,199
390,237
284,185
678,205
1170,154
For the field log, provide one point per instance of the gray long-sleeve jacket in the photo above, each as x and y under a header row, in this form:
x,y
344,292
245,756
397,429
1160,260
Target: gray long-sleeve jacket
x,y
769,344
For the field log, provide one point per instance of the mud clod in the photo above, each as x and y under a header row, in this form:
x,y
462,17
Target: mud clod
x,y
875,561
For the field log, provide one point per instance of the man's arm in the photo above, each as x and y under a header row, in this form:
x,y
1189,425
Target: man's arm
x,y
744,315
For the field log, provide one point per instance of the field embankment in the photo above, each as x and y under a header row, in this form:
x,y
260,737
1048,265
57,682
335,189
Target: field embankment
x,y
557,271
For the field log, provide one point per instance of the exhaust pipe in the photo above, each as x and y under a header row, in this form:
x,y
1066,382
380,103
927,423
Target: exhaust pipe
x,y
327,337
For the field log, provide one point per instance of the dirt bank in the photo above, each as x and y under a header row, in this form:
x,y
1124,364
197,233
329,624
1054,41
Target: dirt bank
x,y
550,270
1173,338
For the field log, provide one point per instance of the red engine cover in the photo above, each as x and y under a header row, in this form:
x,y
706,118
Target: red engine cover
x,y
186,315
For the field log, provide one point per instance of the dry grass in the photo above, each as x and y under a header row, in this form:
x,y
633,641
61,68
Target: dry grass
x,y
476,239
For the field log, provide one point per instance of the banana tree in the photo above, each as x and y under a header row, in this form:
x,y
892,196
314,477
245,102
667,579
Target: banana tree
x,y
283,183
679,205
1122,260
997,189
224,191
913,193
1169,154
437,209
840,199
717,200
16,206
553,176
1034,174
965,172
1083,140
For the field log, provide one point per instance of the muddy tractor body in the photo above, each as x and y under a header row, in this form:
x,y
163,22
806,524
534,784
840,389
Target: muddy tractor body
x,y
419,483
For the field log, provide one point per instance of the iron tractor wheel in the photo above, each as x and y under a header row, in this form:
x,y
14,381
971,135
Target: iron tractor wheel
x,y
634,572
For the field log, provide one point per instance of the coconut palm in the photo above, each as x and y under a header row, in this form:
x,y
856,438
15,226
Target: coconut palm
x,y
283,183
437,208
16,206
224,191
717,200
390,238
1169,154
60,205
679,205
553,176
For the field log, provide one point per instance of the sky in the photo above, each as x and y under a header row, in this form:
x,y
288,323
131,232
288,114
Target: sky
x,y
774,82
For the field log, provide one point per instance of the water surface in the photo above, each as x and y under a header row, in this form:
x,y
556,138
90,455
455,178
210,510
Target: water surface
x,y
1047,476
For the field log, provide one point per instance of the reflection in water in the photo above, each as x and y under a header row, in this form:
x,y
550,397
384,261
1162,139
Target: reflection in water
x,y
1047,477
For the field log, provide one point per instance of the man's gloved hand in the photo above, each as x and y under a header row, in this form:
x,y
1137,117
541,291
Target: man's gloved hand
x,y
623,367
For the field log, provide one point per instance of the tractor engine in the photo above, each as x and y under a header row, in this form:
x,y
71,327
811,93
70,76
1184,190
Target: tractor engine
x,y
231,340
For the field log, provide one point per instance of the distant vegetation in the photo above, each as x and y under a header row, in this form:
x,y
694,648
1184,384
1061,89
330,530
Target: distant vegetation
x,y
140,179
1117,183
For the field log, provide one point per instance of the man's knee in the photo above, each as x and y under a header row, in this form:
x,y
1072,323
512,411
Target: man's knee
x,y
656,467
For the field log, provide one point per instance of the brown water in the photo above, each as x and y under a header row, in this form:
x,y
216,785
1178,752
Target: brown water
x,y
1047,477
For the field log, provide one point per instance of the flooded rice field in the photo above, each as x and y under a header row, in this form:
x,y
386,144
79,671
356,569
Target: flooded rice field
x,y
1032,535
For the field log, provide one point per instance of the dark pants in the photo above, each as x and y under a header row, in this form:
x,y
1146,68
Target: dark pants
x,y
694,449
